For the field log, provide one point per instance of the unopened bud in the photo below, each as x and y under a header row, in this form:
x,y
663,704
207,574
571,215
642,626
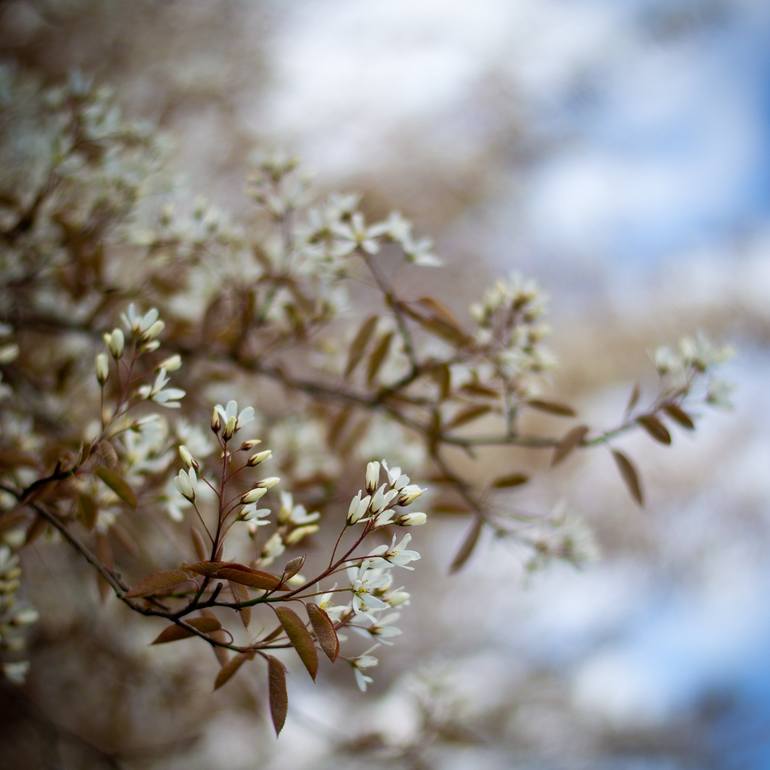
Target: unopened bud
x,y
172,363
259,457
253,495
102,368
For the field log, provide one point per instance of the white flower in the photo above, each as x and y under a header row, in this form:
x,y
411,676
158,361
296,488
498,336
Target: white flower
x,y
383,628
365,580
160,394
187,483
231,419
273,548
358,508
257,517
382,499
115,342
396,554
17,672
147,326
420,252
363,661
334,611
356,235
9,353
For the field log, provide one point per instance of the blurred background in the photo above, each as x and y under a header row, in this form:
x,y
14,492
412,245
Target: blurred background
x,y
619,152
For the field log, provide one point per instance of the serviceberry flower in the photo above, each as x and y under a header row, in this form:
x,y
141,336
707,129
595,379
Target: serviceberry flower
x,y
396,554
187,483
364,661
230,419
160,394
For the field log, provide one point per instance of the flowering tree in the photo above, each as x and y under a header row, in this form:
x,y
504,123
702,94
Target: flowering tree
x,y
109,291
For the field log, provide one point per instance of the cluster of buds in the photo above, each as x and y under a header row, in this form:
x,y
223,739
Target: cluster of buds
x,y
379,503
511,330
693,358
14,618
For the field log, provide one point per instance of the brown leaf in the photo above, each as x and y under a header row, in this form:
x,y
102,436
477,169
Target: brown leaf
x,y
240,594
379,354
159,583
551,407
569,442
678,415
468,544
360,341
199,544
237,573
511,480
117,484
337,425
633,399
324,631
443,377
293,567
279,699
231,667
655,428
300,638
468,415
175,632
629,475
87,510
439,311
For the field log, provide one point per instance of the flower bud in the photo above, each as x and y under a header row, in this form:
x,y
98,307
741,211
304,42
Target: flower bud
x,y
172,363
253,495
153,331
268,483
102,368
216,423
416,519
187,457
372,476
250,444
115,342
259,457
409,494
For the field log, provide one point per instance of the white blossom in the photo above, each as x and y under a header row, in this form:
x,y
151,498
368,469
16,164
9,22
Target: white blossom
x,y
396,554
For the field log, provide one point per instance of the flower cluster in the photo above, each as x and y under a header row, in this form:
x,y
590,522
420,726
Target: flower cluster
x,y
693,357
511,331
14,616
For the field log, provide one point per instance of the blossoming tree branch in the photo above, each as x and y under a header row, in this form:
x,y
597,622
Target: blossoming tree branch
x,y
131,329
